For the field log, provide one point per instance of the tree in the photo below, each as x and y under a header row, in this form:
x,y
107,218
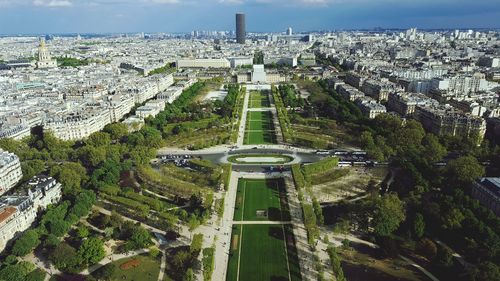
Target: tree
x,y
32,168
389,213
36,275
139,238
91,156
189,276
98,139
51,241
154,252
464,170
65,258
26,243
82,231
426,248
83,203
115,219
452,219
444,256
418,225
92,250
193,223
196,244
487,271
10,259
180,259
16,272
59,227
71,175
433,151
106,272
116,130
152,137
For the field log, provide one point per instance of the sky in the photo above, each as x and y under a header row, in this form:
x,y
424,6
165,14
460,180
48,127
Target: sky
x,y
117,16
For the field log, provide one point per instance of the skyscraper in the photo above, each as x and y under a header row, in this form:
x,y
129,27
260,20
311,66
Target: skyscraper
x,y
240,28
289,31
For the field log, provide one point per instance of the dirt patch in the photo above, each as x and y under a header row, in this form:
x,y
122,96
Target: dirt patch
x,y
130,264
234,242
370,266
352,184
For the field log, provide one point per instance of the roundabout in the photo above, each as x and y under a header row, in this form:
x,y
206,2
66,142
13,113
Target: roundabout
x,y
259,159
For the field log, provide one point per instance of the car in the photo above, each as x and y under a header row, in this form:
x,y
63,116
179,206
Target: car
x,y
254,147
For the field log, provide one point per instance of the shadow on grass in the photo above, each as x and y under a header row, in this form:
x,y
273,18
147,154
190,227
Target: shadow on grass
x,y
276,232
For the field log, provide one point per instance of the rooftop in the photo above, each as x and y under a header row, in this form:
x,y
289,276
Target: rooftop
x,y
493,184
5,213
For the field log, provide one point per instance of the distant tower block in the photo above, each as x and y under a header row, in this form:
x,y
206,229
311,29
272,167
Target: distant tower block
x,y
289,31
240,28
44,59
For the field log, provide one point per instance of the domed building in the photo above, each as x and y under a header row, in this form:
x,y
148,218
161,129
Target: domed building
x,y
44,59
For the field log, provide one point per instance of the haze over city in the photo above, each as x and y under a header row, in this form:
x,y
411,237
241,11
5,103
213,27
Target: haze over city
x,y
103,16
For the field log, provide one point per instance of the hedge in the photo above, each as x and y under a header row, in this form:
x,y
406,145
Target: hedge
x,y
208,263
298,177
132,204
321,166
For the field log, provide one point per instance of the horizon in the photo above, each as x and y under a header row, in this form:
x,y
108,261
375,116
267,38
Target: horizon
x,y
155,16
373,29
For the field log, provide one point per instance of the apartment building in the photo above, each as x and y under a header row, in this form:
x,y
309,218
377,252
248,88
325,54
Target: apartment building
x,y
77,125
10,171
19,211
404,104
445,120
487,191
203,63
349,92
354,79
370,107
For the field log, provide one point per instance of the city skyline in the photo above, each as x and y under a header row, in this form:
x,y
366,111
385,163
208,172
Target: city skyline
x,y
105,16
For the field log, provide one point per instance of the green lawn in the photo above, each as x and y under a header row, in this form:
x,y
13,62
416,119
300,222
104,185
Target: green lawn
x,y
260,137
264,252
148,269
258,99
260,128
261,195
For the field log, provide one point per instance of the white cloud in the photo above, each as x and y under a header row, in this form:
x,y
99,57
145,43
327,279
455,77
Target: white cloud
x,y
53,3
232,2
164,1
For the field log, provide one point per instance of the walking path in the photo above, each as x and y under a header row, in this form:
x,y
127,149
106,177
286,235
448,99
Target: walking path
x,y
243,121
222,245
163,266
304,253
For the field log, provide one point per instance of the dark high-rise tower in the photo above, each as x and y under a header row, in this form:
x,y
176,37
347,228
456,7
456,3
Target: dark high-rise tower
x,y
240,28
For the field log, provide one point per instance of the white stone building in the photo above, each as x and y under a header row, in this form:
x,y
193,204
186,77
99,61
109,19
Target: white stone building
x,y
10,170
18,212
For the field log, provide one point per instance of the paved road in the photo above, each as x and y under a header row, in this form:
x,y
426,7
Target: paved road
x,y
262,222
220,156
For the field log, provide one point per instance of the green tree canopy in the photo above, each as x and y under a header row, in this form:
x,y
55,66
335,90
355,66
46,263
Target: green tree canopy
x,y
26,243
92,251
389,213
464,170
